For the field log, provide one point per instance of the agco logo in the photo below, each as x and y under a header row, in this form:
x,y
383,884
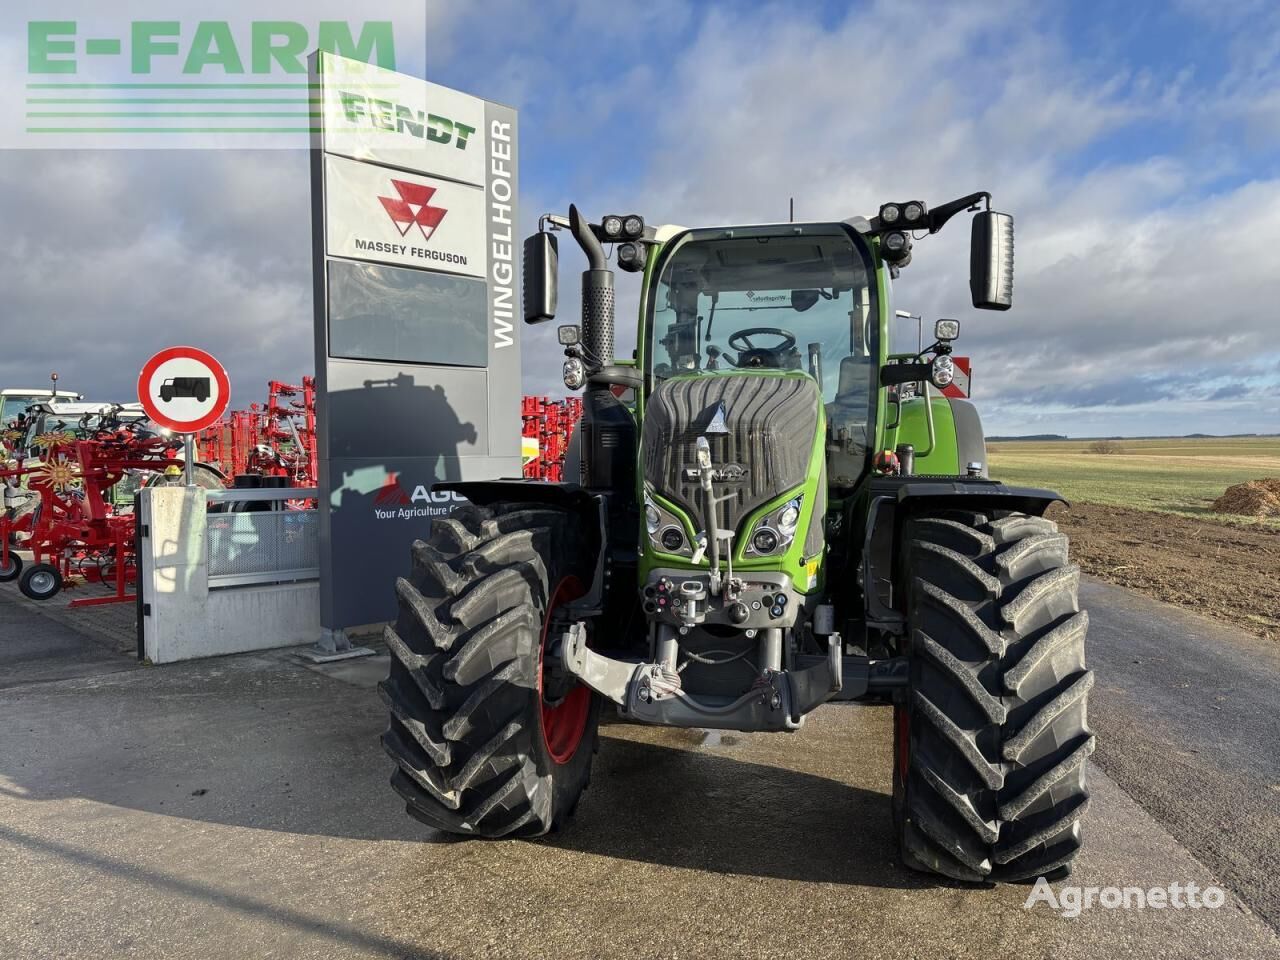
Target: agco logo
x,y
413,206
393,501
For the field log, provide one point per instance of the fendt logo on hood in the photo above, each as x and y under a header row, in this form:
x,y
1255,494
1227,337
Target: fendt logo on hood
x,y
413,207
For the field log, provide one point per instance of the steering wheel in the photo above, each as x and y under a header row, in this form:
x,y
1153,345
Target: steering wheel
x,y
749,355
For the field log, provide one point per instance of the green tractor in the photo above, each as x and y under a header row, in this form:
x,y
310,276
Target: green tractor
x,y
771,512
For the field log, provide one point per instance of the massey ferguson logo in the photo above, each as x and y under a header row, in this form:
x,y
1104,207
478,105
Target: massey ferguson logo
x,y
410,208
413,207
393,502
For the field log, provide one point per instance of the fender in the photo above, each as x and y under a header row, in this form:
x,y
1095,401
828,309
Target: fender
x,y
892,499
593,508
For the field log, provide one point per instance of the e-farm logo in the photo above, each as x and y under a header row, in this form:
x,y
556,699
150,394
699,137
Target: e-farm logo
x,y
98,79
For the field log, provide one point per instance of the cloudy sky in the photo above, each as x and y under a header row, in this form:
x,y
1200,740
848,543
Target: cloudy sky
x,y
1137,145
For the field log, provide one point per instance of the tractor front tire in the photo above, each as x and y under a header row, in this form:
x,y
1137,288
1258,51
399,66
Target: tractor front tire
x,y
992,740
479,751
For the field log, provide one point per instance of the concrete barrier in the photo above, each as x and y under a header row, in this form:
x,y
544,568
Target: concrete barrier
x,y
182,618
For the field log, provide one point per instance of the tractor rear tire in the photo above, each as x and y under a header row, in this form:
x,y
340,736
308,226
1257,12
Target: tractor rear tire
x,y
992,739
478,750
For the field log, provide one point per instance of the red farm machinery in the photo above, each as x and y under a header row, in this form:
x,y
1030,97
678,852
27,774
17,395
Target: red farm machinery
x,y
74,530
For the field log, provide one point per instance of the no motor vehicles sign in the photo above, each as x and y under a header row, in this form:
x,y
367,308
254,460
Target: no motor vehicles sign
x,y
184,389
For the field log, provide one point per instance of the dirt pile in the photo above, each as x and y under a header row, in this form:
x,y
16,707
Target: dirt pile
x,y
1254,498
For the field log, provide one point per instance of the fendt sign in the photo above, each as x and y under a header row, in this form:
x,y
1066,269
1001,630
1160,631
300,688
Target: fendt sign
x,y
417,360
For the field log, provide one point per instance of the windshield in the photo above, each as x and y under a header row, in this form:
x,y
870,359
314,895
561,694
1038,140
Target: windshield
x,y
789,302
12,405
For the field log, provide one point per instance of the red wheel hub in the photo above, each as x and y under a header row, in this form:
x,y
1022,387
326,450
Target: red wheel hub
x,y
563,724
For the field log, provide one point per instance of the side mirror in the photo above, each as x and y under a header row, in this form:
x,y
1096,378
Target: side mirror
x,y
944,331
991,261
541,277
569,335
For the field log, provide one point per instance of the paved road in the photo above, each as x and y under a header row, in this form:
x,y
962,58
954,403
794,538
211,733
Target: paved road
x,y
1188,719
239,807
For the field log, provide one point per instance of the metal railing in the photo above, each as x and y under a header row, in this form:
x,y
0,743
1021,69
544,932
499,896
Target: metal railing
x,y
256,539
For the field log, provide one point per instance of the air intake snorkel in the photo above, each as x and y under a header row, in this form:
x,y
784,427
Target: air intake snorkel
x,y
597,295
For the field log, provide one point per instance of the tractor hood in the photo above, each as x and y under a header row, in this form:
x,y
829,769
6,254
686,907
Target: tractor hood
x,y
761,423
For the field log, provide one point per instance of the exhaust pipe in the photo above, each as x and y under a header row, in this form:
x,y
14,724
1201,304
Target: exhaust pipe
x,y
597,294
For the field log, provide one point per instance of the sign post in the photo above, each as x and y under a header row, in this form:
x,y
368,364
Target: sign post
x,y
415,259
184,389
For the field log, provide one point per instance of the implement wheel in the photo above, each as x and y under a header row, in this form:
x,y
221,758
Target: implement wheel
x,y
489,740
10,570
992,739
41,581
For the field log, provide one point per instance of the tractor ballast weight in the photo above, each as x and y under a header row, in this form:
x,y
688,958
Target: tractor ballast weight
x,y
776,517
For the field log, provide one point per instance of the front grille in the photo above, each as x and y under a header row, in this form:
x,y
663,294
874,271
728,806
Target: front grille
x,y
772,422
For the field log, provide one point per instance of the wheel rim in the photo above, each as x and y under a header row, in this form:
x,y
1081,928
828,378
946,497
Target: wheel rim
x,y
41,582
564,724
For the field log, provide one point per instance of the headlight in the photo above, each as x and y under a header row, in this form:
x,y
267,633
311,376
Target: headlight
x,y
672,539
942,371
665,530
889,213
913,211
633,227
776,530
764,541
612,226
789,516
575,373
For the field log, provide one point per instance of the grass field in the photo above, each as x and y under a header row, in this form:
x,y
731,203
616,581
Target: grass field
x,y
1171,476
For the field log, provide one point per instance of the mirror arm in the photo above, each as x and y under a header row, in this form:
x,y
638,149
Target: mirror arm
x,y
938,216
896,373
